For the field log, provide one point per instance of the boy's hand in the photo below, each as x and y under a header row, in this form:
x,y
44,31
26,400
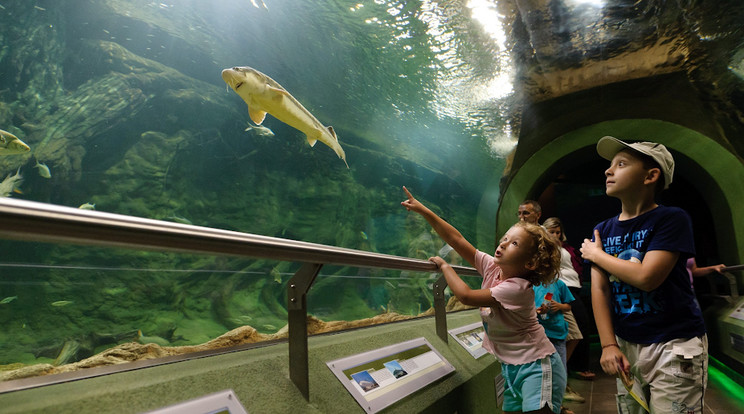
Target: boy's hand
x,y
590,249
411,204
613,361
437,261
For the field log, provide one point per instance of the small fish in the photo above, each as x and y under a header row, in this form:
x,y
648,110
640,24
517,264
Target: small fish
x,y
61,303
10,144
10,183
269,327
8,300
87,206
276,275
264,95
114,291
364,235
151,339
241,320
260,130
43,170
178,219
444,251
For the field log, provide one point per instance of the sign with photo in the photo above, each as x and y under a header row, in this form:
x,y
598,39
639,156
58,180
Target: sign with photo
x,y
223,402
378,378
471,338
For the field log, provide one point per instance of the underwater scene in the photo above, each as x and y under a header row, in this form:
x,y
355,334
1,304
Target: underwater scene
x,y
298,119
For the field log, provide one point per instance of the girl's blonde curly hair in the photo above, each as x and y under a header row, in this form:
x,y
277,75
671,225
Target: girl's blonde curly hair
x,y
547,255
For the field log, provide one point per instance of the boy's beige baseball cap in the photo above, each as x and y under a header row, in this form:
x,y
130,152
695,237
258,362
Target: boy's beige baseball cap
x,y
608,146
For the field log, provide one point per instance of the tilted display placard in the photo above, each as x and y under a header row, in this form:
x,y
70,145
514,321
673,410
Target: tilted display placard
x,y
223,402
379,378
471,338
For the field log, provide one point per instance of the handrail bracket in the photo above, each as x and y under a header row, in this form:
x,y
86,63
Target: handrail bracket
x,y
297,289
440,308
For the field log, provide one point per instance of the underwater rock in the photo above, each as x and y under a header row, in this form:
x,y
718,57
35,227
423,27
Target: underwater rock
x,y
132,351
27,372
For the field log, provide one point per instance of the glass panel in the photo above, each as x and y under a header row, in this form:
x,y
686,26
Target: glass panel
x,y
65,308
124,108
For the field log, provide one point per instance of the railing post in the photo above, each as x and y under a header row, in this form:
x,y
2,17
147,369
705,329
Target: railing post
x,y
297,290
440,308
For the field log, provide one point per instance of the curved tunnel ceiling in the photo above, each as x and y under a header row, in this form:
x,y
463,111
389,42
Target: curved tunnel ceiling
x,y
715,173
639,70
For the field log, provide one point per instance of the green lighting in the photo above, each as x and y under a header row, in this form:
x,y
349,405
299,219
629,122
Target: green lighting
x,y
722,381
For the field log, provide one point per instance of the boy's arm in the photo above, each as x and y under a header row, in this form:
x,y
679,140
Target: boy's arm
x,y
603,318
466,295
646,275
445,230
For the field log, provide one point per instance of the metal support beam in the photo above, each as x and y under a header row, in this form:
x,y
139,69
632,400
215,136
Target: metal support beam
x,y
440,308
299,285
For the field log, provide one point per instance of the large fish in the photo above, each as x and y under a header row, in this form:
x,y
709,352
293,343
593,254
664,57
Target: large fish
x,y
11,183
264,95
10,144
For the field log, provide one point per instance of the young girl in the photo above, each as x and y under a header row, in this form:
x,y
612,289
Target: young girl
x,y
526,256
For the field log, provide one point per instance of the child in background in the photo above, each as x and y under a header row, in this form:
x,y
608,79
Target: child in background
x,y
577,319
526,256
649,323
552,302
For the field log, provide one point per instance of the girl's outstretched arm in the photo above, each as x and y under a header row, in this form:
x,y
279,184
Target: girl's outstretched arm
x,y
445,230
466,295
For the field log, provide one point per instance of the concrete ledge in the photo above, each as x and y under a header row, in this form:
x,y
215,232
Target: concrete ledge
x,y
260,378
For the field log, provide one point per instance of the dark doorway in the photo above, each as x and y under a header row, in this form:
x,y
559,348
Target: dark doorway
x,y
577,196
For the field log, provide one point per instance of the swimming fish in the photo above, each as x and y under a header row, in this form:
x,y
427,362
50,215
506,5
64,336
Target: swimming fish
x,y
61,303
264,95
114,291
87,206
260,130
43,170
8,300
178,219
10,144
11,183
151,339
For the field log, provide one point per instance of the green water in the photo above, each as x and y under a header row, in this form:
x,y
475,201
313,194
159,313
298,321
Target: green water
x,y
124,102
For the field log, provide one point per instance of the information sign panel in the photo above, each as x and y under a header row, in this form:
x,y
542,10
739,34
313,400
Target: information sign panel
x,y
378,378
223,402
471,338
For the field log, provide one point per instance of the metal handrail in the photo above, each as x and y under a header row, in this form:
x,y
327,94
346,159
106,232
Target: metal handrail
x,y
40,222
733,268
34,221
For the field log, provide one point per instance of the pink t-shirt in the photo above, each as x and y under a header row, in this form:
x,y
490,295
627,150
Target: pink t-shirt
x,y
514,335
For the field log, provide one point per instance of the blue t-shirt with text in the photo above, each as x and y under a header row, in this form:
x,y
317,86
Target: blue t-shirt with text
x,y
670,311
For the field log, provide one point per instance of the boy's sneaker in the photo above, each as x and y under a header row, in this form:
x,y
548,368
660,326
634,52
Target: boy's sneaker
x,y
572,395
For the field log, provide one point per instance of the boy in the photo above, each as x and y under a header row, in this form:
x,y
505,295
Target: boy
x,y
648,320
